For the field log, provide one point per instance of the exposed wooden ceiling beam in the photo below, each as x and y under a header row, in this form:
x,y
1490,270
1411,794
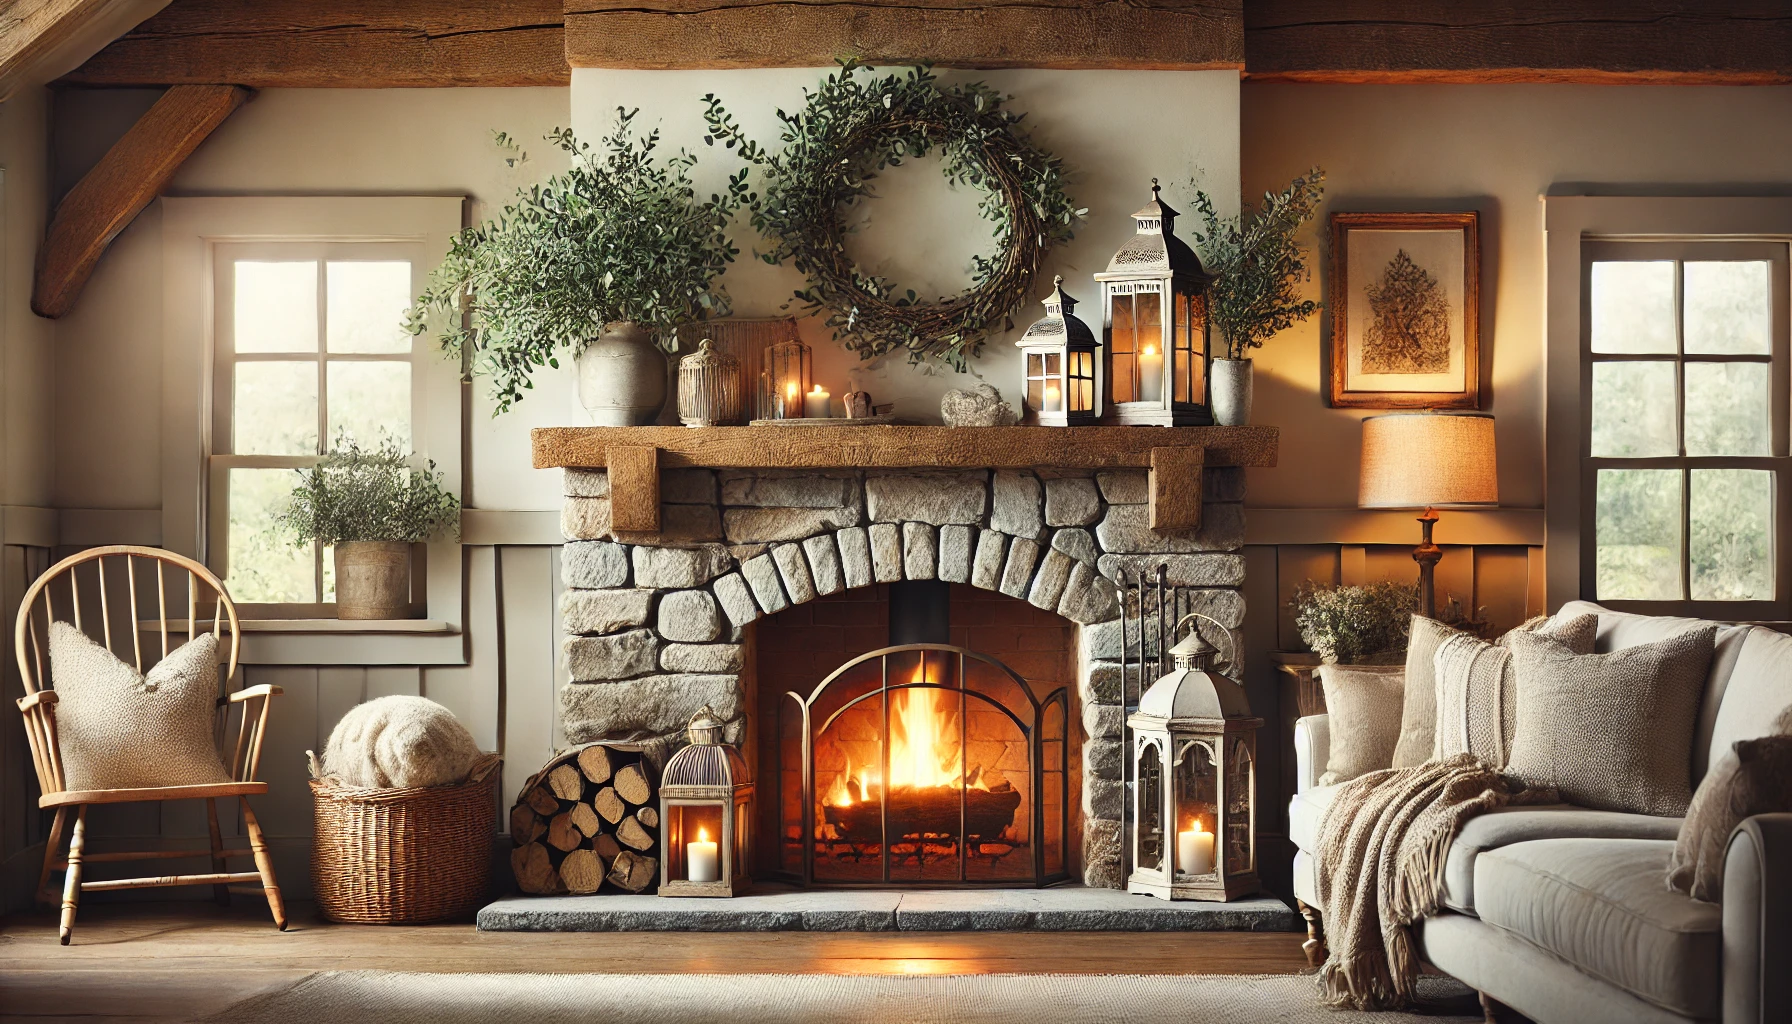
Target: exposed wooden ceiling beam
x,y
340,44
1736,42
1147,34
43,39
128,178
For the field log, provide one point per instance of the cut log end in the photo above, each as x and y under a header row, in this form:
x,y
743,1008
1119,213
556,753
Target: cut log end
x,y
543,802
633,872
595,762
631,785
534,871
584,819
609,805
649,816
632,834
562,835
565,782
582,872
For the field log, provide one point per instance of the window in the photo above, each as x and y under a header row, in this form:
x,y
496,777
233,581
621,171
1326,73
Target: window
x,y
1685,380
308,350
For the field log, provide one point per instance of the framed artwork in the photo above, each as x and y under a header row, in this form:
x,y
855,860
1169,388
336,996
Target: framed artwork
x,y
1405,316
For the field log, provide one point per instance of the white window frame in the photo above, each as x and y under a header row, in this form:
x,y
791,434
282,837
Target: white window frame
x,y
1571,226
193,230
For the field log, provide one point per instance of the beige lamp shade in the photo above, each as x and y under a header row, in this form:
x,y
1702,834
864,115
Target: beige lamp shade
x,y
1428,460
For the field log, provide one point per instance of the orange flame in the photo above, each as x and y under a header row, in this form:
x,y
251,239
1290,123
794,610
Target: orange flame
x,y
702,834
924,752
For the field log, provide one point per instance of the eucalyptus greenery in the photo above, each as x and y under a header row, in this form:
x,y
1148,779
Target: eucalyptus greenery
x,y
621,236
359,493
856,124
1258,265
1349,624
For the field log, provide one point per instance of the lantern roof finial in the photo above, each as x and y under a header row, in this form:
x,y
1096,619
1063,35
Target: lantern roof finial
x,y
1060,326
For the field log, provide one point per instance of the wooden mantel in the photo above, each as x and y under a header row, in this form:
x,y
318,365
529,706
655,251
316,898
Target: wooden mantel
x,y
1175,456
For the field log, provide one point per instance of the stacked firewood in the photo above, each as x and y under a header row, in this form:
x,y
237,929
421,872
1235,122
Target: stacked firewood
x,y
589,821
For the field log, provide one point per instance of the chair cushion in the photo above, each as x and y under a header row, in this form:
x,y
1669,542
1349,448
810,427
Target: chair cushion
x,y
117,729
1600,905
1363,702
1305,812
1506,826
1611,731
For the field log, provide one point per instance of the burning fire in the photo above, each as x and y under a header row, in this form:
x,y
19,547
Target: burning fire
x,y
924,751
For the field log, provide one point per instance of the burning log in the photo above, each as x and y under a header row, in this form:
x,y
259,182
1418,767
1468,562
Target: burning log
x,y
587,822
920,812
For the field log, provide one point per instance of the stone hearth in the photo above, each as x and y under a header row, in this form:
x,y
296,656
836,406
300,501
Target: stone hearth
x,y
658,624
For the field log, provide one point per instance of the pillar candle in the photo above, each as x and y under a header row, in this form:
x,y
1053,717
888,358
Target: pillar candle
x,y
815,404
701,863
1194,850
1054,398
1151,374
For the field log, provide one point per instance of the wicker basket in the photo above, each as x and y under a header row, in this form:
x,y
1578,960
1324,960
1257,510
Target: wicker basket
x,y
404,856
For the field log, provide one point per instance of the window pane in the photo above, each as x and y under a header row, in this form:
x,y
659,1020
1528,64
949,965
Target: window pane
x,y
1637,525
1729,307
366,306
1633,306
1120,348
370,399
1633,410
276,306
265,566
274,411
1727,409
1731,540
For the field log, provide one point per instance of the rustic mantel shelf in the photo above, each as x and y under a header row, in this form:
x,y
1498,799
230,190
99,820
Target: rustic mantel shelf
x,y
1174,455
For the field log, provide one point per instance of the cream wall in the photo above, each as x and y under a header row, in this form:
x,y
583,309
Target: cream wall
x,y
1496,149
26,340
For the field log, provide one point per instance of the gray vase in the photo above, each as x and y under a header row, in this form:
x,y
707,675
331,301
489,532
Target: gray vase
x,y
622,377
1231,392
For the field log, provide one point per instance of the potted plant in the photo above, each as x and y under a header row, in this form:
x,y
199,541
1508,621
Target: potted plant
x,y
1257,266
371,505
605,260
1355,625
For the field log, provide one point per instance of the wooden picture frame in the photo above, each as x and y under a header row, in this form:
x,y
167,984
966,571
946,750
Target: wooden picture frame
x,y
1402,357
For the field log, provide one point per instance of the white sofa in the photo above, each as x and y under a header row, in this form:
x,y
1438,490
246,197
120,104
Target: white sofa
x,y
1563,913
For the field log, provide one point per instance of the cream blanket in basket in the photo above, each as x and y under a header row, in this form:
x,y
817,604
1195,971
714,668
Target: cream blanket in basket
x,y
1381,869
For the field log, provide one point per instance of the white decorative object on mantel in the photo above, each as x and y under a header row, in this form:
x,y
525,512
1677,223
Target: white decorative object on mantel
x,y
981,406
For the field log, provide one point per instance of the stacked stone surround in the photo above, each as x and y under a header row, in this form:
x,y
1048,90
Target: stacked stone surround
x,y
655,623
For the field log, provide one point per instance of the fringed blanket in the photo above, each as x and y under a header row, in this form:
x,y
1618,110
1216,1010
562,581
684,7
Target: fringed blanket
x,y
1381,869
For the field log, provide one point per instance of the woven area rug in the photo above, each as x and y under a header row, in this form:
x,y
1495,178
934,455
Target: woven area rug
x,y
401,998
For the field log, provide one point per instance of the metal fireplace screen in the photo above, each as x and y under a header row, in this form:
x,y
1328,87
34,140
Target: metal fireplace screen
x,y
976,766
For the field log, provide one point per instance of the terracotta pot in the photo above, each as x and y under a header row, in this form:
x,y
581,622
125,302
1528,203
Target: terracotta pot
x,y
622,377
373,579
1231,392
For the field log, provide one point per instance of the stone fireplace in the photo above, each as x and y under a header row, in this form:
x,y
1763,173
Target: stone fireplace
x,y
761,583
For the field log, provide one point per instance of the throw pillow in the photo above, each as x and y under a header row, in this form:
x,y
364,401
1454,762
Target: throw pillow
x,y
399,742
1476,695
1418,710
121,730
1612,732
1364,704
1753,777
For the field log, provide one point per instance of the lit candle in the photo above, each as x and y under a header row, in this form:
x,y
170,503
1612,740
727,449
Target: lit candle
x,y
1151,374
793,397
815,404
702,864
1194,850
1054,399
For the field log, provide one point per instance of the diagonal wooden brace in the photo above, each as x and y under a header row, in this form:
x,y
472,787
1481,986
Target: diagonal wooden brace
x,y
635,488
1175,487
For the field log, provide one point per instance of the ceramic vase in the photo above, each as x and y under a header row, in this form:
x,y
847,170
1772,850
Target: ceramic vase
x,y
622,377
1231,392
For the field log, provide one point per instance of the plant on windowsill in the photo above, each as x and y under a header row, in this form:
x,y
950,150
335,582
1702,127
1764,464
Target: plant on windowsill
x,y
1355,625
1258,267
604,261
371,505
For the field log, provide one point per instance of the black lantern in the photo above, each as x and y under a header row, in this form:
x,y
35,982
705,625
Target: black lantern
x,y
1154,325
706,816
1058,354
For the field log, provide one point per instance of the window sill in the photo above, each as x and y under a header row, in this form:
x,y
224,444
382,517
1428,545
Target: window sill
x,y
343,641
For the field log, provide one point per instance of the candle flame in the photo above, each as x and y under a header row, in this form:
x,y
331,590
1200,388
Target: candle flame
x,y
792,390
1149,349
702,834
817,390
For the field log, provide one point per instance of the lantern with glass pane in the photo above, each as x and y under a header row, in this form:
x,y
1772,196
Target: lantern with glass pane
x,y
1194,750
1058,354
706,815
1154,326
784,381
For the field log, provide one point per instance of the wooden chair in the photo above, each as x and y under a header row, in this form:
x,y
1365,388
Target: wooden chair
x,y
41,604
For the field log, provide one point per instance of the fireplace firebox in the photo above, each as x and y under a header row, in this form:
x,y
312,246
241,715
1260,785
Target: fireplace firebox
x,y
924,764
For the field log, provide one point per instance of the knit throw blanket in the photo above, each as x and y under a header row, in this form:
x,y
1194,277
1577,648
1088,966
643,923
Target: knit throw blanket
x,y
1381,869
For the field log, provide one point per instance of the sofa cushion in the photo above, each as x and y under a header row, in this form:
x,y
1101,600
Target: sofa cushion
x,y
1418,710
1506,826
1600,905
1759,687
1477,689
1363,702
1618,630
1305,813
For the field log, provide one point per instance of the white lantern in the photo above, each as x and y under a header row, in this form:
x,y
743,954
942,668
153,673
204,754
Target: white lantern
x,y
1154,325
1058,357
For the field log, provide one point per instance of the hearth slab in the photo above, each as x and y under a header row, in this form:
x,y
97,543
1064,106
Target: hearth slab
x,y
1066,908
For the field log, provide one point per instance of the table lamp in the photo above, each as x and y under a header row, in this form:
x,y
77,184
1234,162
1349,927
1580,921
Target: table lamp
x,y
1428,460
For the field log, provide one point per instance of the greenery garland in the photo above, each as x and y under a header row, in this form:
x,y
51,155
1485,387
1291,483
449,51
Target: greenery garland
x,y
856,124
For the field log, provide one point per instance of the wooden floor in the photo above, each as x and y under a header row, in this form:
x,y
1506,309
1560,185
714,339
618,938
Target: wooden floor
x,y
173,961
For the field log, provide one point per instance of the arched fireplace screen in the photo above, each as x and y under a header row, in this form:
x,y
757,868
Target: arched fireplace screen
x,y
977,768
